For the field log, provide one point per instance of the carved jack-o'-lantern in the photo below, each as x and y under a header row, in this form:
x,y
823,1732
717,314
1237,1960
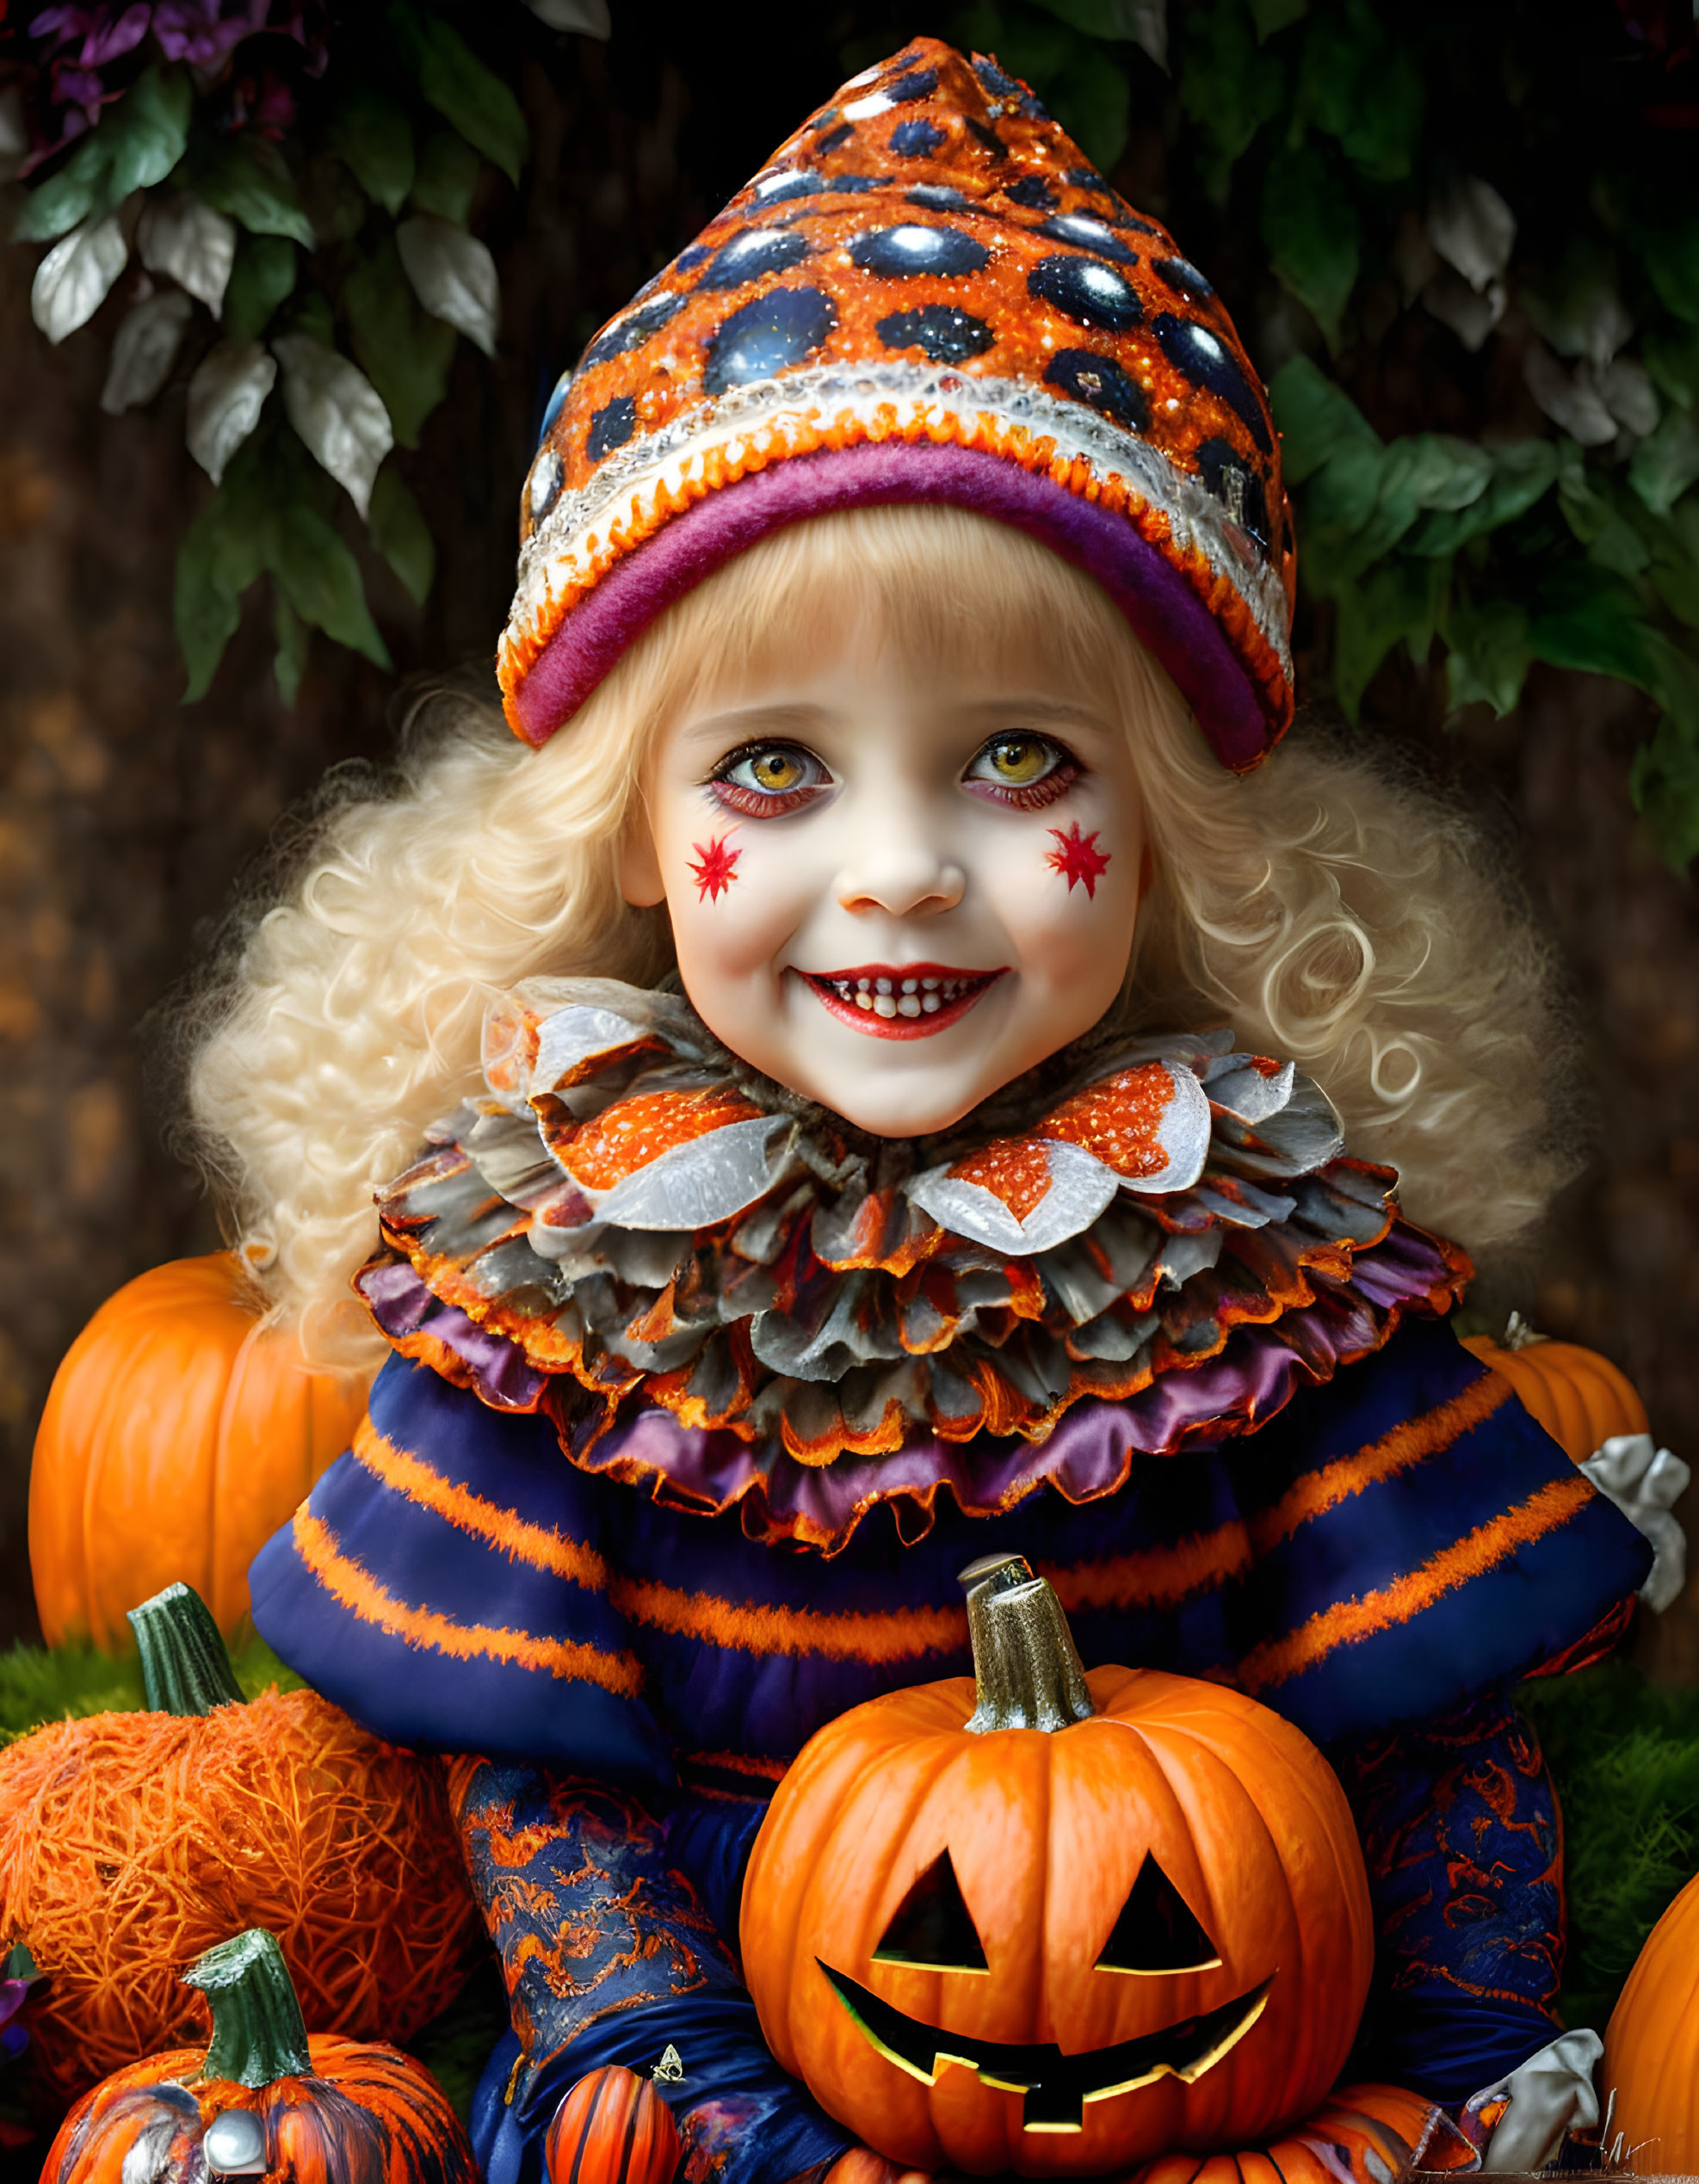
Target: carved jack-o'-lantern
x,y
1055,1922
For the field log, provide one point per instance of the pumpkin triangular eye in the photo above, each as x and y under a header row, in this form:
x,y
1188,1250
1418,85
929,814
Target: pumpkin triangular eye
x,y
932,1925
1157,1930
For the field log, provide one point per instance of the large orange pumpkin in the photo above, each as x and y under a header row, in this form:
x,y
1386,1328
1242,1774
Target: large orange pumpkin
x,y
179,1433
1057,1923
263,2099
130,1842
1578,1396
1652,2049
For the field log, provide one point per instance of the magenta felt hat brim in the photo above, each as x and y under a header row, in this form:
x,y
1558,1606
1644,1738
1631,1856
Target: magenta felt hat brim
x,y
1161,607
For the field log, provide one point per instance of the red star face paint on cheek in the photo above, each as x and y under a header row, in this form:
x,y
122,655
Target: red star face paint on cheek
x,y
715,868
1077,858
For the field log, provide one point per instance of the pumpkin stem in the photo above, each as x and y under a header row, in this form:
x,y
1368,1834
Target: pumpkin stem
x,y
1025,1670
258,2031
184,1664
1519,1334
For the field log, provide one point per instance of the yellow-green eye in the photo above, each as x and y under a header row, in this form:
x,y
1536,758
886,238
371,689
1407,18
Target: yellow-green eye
x,y
766,778
776,771
1016,761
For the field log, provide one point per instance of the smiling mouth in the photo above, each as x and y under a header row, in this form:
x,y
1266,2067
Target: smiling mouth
x,y
1056,2085
907,1001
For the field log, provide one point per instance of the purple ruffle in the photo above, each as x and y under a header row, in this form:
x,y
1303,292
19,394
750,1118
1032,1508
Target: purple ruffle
x,y
1087,1457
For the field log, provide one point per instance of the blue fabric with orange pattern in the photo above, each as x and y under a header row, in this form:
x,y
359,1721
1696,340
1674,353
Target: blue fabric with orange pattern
x,y
611,1957
1393,1546
1390,1546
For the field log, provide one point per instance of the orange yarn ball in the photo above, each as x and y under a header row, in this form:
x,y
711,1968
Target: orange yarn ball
x,y
131,1843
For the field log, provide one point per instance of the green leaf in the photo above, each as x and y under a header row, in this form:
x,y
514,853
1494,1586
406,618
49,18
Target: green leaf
x,y
1310,226
1089,98
246,177
404,352
205,611
1671,354
1603,525
1362,89
320,579
370,134
1591,621
222,553
53,207
150,130
446,176
1489,657
1317,419
1671,259
1398,600
1228,85
401,534
1271,15
262,276
1127,22
289,663
1665,463
310,313
1665,778
1675,563
1447,473
1521,472
336,207
461,88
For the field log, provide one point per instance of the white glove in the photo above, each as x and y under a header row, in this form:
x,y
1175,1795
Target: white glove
x,y
1550,2094
1644,1481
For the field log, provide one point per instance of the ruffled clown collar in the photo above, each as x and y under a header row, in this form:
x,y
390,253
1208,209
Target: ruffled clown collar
x,y
726,1293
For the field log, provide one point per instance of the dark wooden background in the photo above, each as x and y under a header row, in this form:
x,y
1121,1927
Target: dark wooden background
x,y
125,816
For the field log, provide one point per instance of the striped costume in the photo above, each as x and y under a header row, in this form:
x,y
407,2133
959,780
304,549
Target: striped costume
x,y
700,1403
1379,1562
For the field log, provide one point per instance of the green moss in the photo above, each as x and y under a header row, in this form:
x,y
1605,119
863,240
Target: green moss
x,y
1625,1755
37,1685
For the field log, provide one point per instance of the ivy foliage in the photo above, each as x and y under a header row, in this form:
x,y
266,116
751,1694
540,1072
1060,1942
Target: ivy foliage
x,y
1462,246
291,231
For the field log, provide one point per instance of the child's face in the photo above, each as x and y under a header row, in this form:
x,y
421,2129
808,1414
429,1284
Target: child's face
x,y
893,887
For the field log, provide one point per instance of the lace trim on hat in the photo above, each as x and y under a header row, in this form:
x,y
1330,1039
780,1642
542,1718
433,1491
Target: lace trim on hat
x,y
660,474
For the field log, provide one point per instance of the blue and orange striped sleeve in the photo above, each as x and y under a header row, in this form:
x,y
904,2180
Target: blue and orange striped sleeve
x,y
446,1576
1415,1540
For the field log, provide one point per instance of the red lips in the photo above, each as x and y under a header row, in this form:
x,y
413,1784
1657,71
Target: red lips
x,y
901,1000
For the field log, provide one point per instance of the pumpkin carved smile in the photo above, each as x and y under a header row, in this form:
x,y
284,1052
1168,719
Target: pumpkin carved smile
x,y
1129,1907
1056,2085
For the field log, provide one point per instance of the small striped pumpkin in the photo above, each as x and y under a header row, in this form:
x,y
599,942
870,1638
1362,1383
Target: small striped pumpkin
x,y
612,2128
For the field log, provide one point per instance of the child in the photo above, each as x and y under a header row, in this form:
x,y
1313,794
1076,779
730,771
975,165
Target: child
x,y
868,1163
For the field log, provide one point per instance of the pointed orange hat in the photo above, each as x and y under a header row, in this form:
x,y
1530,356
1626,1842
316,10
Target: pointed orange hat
x,y
928,294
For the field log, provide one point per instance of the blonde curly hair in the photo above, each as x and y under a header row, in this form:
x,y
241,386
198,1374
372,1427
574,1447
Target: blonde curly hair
x,y
1326,908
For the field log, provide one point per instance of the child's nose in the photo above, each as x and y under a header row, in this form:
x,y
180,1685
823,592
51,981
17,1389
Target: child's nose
x,y
902,876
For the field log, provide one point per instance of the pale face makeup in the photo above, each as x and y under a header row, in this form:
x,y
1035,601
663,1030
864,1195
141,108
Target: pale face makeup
x,y
893,887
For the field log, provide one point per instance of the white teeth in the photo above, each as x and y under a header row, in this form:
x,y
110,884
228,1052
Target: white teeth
x,y
909,1005
864,999
910,985
928,985
929,1002
883,1005
881,985
861,985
